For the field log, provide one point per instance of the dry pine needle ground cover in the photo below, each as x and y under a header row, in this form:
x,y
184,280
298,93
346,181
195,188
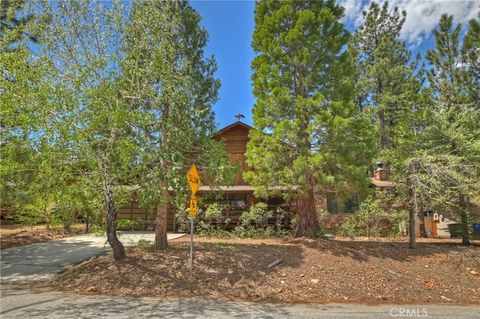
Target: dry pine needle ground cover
x,y
19,235
317,271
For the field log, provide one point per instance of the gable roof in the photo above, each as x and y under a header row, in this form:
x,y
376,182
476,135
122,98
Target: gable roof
x,y
228,127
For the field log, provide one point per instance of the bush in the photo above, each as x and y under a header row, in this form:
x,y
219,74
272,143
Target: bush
x,y
254,222
257,215
30,217
125,223
183,219
98,229
214,215
379,215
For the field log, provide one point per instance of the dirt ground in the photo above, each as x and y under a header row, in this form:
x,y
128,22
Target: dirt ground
x,y
19,235
311,271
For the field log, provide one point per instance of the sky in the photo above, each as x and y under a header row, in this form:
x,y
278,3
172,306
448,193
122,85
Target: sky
x,y
231,23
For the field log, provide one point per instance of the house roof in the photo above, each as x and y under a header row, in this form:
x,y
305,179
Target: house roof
x,y
237,123
233,188
239,188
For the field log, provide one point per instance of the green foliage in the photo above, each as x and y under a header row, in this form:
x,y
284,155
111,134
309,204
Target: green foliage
x,y
125,223
16,17
31,216
257,215
385,78
98,229
19,114
207,229
115,96
379,215
165,49
213,211
214,221
437,161
307,132
254,222
471,59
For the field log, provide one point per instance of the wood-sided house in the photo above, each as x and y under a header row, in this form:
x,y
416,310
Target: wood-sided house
x,y
235,198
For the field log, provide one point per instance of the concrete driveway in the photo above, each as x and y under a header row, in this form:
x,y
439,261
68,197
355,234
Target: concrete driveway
x,y
44,260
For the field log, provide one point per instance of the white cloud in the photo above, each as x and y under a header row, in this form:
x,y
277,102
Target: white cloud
x,y
422,15
353,10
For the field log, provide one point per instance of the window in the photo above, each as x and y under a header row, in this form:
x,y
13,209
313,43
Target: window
x,y
335,205
236,200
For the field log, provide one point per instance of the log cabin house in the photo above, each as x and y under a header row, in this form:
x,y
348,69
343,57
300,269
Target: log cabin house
x,y
235,198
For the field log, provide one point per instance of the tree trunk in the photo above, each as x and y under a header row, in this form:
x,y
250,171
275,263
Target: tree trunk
x,y
464,219
307,221
117,247
87,224
382,131
412,228
161,223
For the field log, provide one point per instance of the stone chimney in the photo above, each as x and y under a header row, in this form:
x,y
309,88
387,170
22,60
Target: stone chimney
x,y
380,173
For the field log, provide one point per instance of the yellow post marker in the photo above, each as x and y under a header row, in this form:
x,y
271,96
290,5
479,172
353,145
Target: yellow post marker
x,y
193,205
193,179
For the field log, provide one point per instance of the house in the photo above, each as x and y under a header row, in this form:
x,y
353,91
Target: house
x,y
235,198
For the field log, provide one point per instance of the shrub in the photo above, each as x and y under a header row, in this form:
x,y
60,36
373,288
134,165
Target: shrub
x,y
379,215
214,215
125,223
257,215
30,217
254,222
183,219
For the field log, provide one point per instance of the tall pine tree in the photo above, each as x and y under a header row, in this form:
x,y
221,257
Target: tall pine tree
x,y
388,87
385,78
308,136
453,134
437,152
170,81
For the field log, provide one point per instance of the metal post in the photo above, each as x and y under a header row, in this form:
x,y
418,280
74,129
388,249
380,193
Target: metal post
x,y
191,246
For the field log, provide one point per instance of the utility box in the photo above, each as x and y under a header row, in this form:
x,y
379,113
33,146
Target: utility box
x,y
476,231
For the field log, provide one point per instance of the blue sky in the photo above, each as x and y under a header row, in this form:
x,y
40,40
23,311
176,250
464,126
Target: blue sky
x,y
230,25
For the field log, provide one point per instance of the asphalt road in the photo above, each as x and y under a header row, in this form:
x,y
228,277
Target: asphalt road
x,y
43,260
23,303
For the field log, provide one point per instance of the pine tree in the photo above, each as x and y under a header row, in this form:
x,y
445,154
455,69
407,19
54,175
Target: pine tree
x,y
172,84
471,61
308,137
389,88
454,131
384,75
437,153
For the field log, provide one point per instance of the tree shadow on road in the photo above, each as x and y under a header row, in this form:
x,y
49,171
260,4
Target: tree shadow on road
x,y
72,306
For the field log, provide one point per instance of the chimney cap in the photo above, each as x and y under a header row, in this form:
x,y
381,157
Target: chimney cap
x,y
379,165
